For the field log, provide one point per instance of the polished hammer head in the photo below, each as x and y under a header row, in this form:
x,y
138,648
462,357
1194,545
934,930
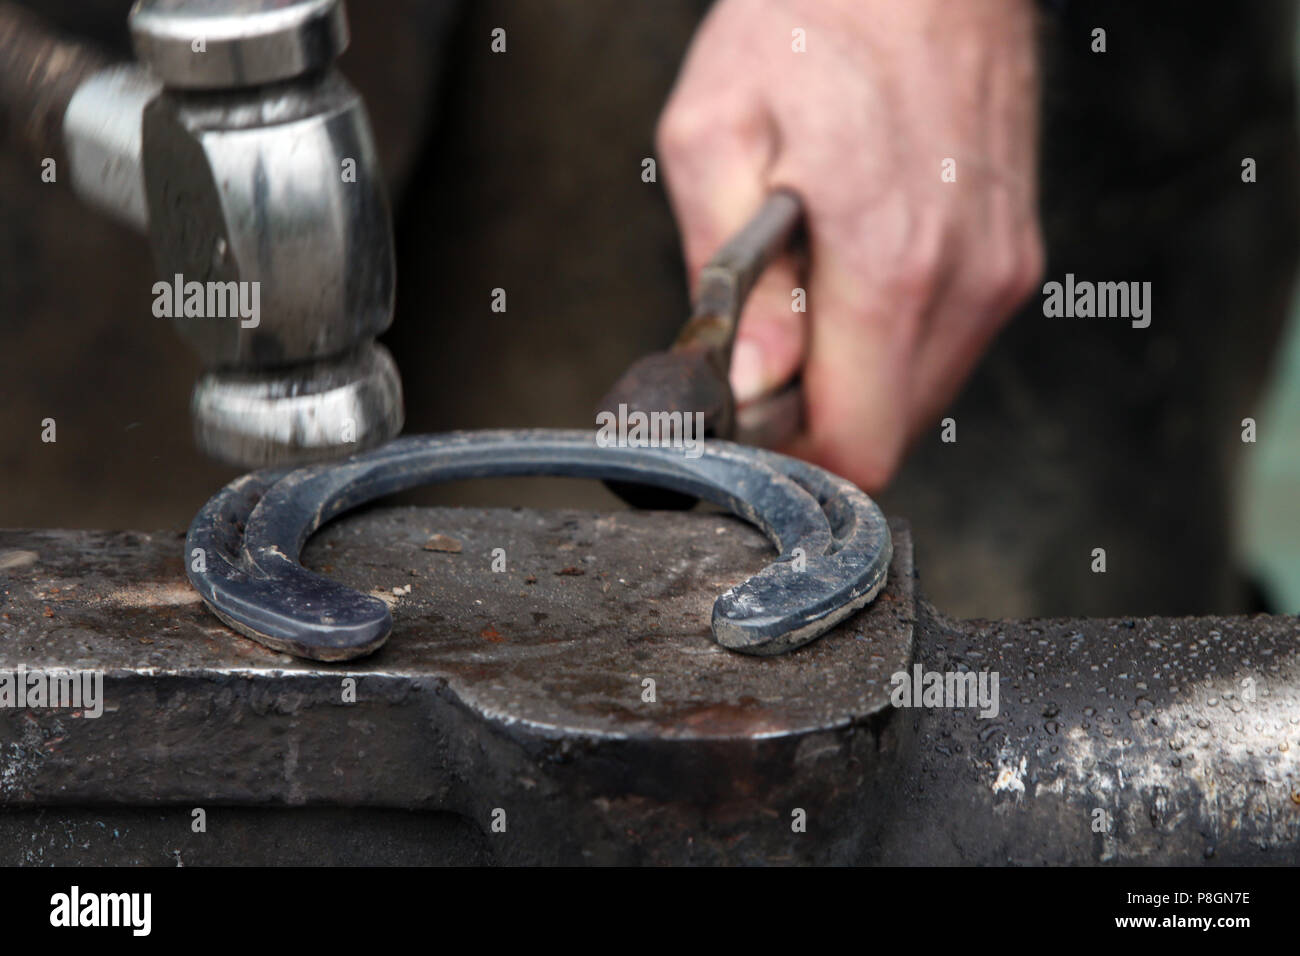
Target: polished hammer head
x,y
262,184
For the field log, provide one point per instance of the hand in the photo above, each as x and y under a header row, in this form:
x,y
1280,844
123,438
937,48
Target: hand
x,y
909,276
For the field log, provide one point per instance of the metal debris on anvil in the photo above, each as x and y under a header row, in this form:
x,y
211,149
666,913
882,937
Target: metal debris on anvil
x,y
493,694
443,542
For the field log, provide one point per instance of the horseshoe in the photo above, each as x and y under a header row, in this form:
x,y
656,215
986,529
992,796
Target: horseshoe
x,y
243,547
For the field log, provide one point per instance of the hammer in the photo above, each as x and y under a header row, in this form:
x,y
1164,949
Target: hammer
x,y
692,375
247,159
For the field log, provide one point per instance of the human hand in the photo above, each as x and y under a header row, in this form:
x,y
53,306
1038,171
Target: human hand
x,y
909,275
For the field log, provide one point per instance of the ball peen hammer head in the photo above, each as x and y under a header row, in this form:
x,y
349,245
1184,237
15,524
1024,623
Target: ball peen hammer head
x,y
247,158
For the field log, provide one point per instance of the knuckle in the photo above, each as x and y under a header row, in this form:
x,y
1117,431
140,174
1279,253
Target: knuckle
x,y
1001,279
678,128
1033,261
916,271
1013,270
871,469
873,474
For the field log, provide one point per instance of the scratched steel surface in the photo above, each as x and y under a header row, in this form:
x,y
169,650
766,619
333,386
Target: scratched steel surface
x,y
1123,741
519,690
587,607
1180,736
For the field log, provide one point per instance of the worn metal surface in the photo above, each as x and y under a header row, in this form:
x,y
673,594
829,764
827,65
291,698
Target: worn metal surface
x,y
1147,741
102,128
522,690
297,836
244,544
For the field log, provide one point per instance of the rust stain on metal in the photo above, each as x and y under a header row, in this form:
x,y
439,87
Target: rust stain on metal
x,y
521,675
747,716
17,559
153,594
443,542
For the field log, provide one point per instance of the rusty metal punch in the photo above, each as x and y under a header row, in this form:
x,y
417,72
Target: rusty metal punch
x,y
692,375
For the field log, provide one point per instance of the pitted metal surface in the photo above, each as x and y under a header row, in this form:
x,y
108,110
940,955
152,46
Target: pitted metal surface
x,y
522,691
243,545
1150,740
529,651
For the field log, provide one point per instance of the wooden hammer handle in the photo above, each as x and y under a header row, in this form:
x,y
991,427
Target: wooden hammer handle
x,y
40,70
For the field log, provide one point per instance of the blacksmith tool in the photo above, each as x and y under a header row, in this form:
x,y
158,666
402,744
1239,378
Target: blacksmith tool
x,y
243,547
247,158
692,375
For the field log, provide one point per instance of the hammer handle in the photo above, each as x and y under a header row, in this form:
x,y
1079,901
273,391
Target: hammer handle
x,y
725,282
40,70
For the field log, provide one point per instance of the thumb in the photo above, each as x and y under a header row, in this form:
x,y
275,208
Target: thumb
x,y
773,333
716,159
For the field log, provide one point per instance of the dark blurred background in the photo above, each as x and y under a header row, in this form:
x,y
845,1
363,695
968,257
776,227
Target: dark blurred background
x,y
522,171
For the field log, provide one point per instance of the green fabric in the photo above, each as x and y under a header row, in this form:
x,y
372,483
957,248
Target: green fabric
x,y
1268,500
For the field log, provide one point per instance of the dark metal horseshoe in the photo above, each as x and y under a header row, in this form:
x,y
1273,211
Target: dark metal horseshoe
x,y
244,544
